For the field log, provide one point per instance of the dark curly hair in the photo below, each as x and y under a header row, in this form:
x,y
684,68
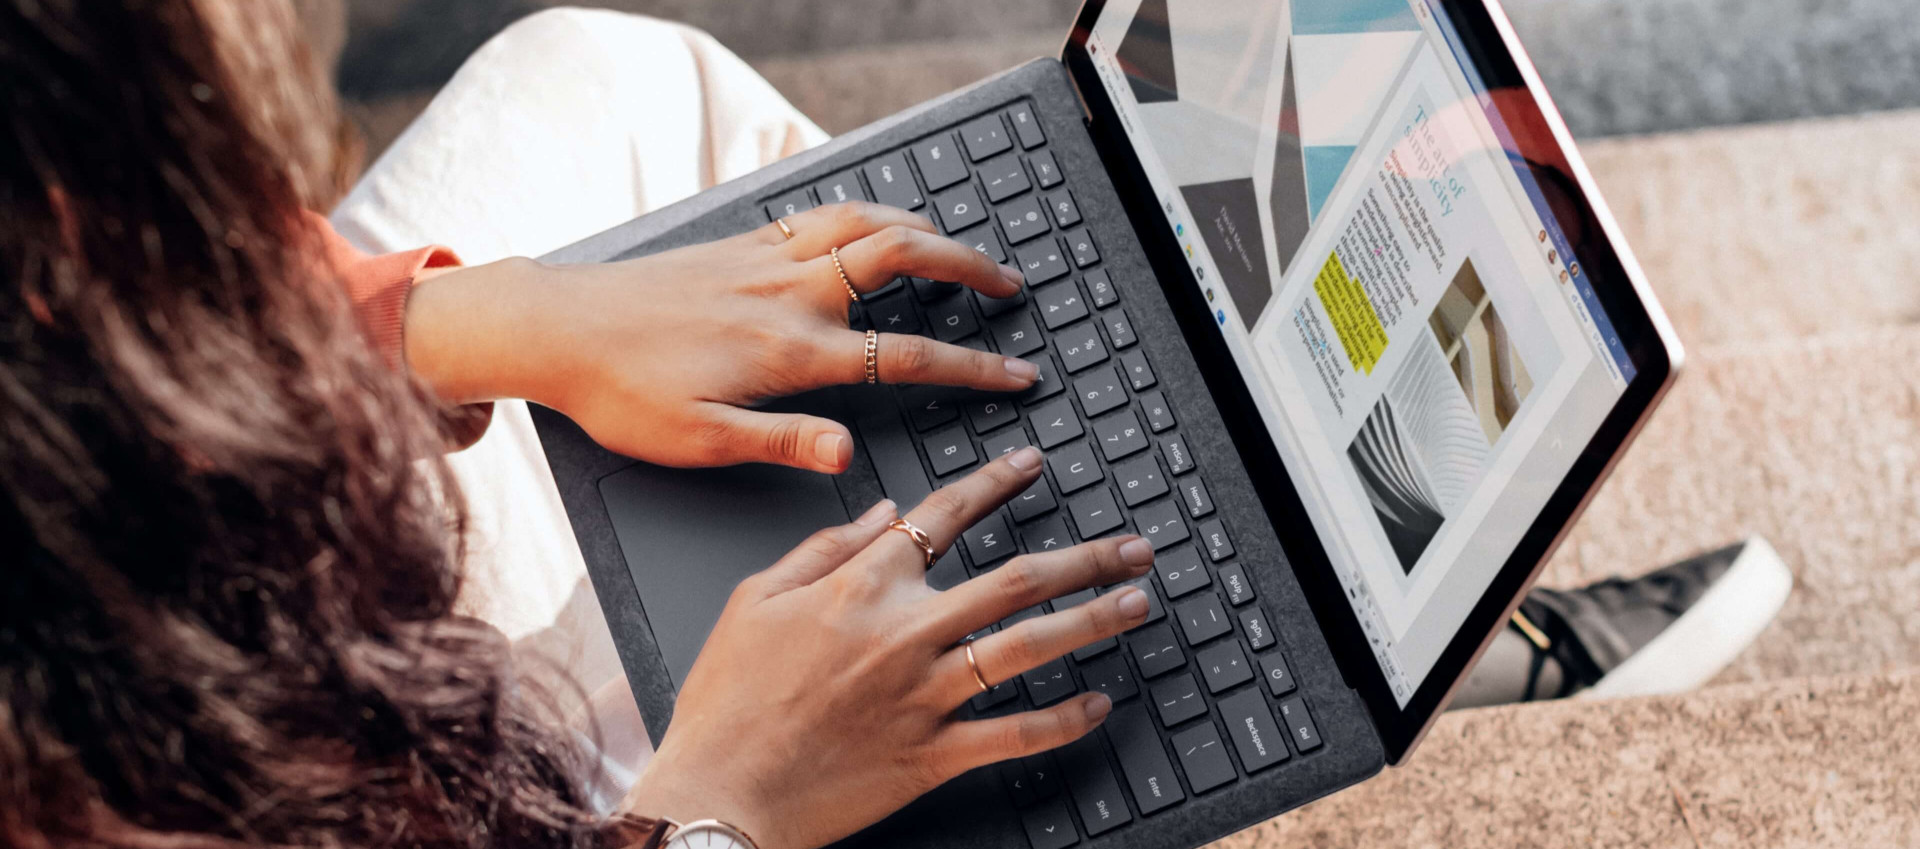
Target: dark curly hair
x,y
229,550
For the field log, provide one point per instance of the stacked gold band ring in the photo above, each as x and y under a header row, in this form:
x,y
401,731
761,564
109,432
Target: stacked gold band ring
x,y
873,357
919,538
844,281
784,228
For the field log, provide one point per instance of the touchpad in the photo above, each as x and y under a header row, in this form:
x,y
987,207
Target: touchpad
x,y
690,536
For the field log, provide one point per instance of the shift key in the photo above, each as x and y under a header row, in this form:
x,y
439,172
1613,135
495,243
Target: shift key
x,y
1083,763
1143,758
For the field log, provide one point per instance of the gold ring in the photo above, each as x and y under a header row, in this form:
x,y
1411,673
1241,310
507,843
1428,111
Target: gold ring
x,y
918,536
843,276
975,666
784,228
873,357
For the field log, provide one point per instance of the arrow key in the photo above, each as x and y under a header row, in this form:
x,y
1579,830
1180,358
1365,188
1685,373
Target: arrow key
x,y
1050,827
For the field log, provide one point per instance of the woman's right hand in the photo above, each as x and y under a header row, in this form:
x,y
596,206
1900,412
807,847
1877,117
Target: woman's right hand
x,y
825,697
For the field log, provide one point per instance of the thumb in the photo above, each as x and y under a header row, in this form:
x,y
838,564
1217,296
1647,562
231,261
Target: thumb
x,y
785,439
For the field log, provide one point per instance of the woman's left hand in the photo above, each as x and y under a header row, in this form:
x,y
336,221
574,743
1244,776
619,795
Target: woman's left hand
x,y
663,358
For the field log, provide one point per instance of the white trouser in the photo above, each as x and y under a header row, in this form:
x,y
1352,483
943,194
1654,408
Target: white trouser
x,y
567,123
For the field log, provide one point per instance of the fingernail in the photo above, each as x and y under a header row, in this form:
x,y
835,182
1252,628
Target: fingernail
x,y
1132,603
1021,370
832,450
1026,459
1012,275
1136,552
1098,707
876,514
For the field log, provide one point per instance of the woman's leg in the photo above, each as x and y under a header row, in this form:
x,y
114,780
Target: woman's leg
x,y
565,124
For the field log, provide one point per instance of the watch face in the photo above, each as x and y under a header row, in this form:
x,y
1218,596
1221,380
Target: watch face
x,y
707,835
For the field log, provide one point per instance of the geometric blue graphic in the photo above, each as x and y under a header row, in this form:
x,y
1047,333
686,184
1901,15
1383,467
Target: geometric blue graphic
x,y
1335,17
1325,164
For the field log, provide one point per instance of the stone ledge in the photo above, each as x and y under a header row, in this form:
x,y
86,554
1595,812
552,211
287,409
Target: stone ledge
x,y
1829,762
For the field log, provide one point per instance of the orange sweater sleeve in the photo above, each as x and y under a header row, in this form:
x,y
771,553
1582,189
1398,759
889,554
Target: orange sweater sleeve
x,y
378,287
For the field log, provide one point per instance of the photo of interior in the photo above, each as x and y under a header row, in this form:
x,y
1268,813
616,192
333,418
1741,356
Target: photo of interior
x,y
1481,352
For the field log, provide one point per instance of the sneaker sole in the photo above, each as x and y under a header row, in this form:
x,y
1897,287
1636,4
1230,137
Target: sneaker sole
x,y
1705,639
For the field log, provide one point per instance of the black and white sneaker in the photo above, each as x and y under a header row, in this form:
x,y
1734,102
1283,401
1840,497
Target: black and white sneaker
x,y
1668,631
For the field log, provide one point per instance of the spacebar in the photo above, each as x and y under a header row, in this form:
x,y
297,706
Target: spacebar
x,y
890,447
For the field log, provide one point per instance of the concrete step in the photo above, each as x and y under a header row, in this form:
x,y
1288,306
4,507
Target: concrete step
x,y
1808,762
1773,231
1812,443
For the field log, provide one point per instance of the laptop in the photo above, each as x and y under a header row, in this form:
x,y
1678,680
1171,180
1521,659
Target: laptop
x,y
1325,306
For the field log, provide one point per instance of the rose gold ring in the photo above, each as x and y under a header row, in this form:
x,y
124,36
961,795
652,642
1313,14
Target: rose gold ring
x,y
873,357
844,281
918,536
784,228
975,666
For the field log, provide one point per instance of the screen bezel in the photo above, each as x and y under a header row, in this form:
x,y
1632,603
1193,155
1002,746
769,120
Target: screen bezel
x,y
1542,140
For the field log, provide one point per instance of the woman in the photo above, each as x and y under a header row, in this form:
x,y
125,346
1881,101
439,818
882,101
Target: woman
x,y
233,551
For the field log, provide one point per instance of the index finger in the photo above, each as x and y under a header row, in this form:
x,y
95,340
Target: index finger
x,y
953,508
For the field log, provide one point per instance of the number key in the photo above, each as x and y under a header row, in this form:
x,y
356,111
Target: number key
x,y
1100,391
1081,349
1139,481
1060,304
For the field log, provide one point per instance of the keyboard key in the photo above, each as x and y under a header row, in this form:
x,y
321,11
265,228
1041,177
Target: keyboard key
x,y
928,406
1048,683
1139,481
939,163
1080,244
1159,415
1046,383
1273,668
1233,578
1224,666
1066,213
1133,364
1081,348
1060,304
892,314
1074,468
1048,534
1049,826
1040,261
1015,334
989,541
959,208
947,572
843,187
985,136
1294,713
1024,614
1143,758
1021,220
1181,571
1213,534
1194,493
1119,329
927,291
1253,730
1094,512
1035,502
952,318
1120,436
1005,442
995,696
1100,286
1045,169
1083,763
1055,424
1013,775
1110,675
1178,699
1203,756
1155,611
1092,650
1202,618
1073,599
991,306
1100,391
893,182
1026,127
1156,651
1254,624
976,343
982,239
1004,178
791,203
950,451
991,413
1179,462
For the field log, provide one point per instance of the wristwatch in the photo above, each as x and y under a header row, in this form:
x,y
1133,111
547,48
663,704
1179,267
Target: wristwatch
x,y
702,834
